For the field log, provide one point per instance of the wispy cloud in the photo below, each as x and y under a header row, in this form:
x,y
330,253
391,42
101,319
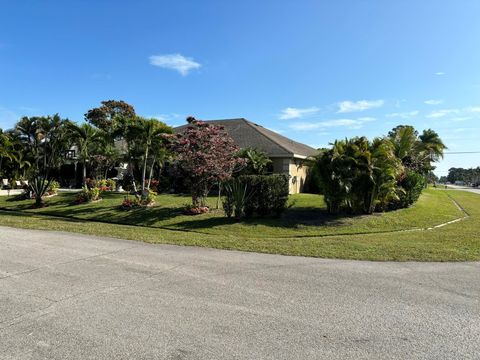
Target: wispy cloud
x,y
475,109
440,73
433,102
352,106
168,118
442,113
8,117
175,62
349,123
297,113
403,115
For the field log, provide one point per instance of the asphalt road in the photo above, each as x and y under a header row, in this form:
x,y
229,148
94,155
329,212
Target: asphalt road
x,y
68,296
464,188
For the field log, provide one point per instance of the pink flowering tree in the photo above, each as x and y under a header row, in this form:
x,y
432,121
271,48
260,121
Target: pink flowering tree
x,y
205,155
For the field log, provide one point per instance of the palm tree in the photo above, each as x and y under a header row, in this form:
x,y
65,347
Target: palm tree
x,y
6,148
45,140
431,145
85,137
256,161
146,134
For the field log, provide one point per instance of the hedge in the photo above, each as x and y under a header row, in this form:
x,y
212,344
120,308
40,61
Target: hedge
x,y
267,194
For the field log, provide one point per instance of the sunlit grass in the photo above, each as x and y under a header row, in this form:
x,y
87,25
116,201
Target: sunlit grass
x,y
305,229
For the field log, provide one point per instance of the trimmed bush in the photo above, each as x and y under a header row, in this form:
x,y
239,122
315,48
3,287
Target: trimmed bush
x,y
267,195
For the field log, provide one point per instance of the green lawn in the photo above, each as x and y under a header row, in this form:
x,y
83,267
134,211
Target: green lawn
x,y
305,229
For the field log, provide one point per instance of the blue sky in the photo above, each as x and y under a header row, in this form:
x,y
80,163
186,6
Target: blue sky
x,y
311,70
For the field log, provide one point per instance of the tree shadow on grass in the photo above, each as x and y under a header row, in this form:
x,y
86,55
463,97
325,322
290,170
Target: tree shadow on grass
x,y
291,219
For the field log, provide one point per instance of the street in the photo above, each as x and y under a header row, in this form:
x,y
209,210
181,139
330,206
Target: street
x,y
70,296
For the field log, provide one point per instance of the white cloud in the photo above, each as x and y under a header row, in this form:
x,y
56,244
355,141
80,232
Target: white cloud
x,y
176,62
296,113
474,109
351,106
460,118
403,115
433,102
440,73
442,113
349,123
278,131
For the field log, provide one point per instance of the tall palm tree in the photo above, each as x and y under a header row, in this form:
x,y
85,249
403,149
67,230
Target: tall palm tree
x,y
146,134
85,137
431,145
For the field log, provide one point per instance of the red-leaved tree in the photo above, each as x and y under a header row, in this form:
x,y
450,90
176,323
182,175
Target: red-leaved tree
x,y
205,155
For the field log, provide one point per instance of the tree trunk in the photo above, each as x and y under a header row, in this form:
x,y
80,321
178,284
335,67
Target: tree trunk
x,y
150,174
144,171
84,174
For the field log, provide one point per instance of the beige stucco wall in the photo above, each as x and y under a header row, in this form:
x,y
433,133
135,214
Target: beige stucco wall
x,y
293,167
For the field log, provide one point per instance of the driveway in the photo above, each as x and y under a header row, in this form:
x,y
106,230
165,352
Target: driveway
x,y
69,296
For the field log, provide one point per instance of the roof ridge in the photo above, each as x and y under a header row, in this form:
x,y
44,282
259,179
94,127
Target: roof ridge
x,y
265,136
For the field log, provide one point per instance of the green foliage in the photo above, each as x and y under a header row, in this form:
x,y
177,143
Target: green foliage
x,y
53,188
411,185
358,176
111,116
39,186
263,195
111,184
416,152
87,195
237,195
466,176
256,162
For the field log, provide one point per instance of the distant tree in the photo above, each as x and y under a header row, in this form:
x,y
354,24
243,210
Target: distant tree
x,y
206,155
112,117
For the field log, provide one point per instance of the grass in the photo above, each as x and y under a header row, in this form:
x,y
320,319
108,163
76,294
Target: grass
x,y
305,229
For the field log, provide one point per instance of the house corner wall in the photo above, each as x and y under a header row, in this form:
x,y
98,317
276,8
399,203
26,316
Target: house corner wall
x,y
295,168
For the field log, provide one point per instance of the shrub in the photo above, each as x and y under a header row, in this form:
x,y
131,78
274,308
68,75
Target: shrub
x,y
128,204
191,209
90,183
53,188
411,186
262,195
138,201
87,195
111,184
154,185
237,194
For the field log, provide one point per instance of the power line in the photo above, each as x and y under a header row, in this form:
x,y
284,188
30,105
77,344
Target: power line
x,y
461,152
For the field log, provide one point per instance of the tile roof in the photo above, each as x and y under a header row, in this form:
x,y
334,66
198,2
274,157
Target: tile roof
x,y
248,134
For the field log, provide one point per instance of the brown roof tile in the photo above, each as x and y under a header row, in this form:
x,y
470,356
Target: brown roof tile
x,y
248,134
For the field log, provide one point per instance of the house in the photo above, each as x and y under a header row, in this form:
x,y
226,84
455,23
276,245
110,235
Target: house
x,y
288,156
